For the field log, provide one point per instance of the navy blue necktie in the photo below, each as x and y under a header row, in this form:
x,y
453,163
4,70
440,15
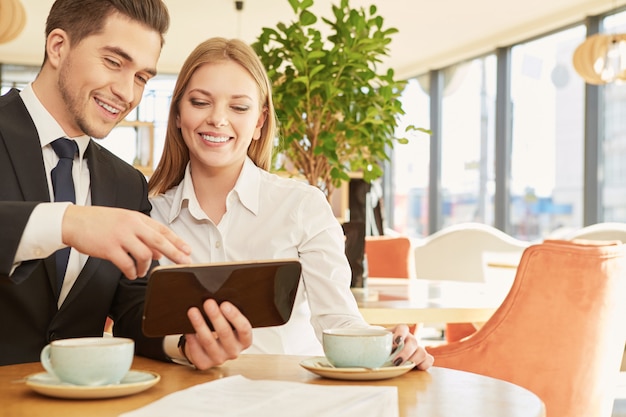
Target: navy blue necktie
x,y
63,185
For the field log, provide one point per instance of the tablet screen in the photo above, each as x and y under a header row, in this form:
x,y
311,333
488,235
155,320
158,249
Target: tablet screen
x,y
264,291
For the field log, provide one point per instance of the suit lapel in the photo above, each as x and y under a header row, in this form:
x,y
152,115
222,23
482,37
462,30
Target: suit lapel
x,y
19,135
24,149
104,181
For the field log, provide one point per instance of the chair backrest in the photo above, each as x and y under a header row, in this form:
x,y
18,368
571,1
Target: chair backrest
x,y
388,256
559,331
461,252
601,231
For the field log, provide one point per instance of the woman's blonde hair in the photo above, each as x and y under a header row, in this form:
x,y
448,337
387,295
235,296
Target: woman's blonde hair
x,y
171,168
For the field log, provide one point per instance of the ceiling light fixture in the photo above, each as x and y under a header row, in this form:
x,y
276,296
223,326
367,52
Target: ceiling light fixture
x,y
12,19
601,58
239,8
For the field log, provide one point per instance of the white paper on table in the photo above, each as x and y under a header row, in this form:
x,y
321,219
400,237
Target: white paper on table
x,y
237,396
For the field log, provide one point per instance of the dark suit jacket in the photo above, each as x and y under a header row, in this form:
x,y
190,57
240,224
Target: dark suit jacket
x,y
29,315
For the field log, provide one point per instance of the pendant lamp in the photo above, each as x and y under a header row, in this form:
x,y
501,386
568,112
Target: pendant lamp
x,y
601,58
12,19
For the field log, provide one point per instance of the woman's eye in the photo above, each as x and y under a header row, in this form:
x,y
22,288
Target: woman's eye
x,y
241,108
199,103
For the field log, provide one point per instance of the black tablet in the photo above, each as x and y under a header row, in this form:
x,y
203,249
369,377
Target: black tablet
x,y
264,291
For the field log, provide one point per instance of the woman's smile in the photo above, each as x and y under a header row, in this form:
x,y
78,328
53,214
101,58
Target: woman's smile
x,y
215,139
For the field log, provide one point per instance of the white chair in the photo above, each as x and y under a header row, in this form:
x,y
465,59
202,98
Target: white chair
x,y
473,252
601,231
466,252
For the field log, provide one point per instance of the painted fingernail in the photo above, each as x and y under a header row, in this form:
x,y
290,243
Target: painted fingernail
x,y
398,361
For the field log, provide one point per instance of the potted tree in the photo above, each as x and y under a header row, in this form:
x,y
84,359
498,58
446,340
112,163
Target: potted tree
x,y
337,112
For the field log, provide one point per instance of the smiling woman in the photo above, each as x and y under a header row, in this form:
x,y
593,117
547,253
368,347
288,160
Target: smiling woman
x,y
213,188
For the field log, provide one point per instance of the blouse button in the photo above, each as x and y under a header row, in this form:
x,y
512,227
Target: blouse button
x,y
218,244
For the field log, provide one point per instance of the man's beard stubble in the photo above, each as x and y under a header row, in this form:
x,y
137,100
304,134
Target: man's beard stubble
x,y
75,109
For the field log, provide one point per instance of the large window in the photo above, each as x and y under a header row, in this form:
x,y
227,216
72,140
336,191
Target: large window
x,y
613,152
546,188
410,166
467,152
543,138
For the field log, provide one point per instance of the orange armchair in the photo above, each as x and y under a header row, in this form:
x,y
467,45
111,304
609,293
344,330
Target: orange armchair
x,y
559,332
388,256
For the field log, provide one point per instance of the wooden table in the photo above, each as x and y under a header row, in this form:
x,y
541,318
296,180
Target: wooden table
x,y
402,300
438,392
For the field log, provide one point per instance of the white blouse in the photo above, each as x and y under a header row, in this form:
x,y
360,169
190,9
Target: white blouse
x,y
271,217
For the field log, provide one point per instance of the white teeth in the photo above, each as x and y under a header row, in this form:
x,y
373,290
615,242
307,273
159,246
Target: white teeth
x,y
107,107
216,139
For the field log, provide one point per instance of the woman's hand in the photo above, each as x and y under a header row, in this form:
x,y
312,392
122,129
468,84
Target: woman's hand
x,y
412,351
232,334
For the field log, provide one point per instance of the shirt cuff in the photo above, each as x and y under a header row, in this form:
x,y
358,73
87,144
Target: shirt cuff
x,y
43,234
170,347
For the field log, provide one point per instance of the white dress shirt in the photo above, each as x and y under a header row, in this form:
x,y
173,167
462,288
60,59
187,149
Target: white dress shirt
x,y
271,217
42,235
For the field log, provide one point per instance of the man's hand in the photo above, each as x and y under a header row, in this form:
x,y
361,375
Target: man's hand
x,y
129,239
233,333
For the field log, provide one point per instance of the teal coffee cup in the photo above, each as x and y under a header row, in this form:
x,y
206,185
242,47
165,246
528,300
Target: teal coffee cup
x,y
359,348
92,361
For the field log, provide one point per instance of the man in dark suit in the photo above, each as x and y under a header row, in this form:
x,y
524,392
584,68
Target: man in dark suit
x,y
99,55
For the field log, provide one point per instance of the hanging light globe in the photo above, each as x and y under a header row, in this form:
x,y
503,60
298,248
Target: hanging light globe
x,y
601,58
12,19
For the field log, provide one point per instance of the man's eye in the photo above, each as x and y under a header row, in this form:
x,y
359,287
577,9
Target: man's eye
x,y
112,62
142,80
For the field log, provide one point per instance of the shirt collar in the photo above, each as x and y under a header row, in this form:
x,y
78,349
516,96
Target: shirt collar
x,y
246,189
184,195
47,127
248,186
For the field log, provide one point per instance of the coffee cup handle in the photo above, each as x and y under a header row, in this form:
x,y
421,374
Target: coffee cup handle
x,y
45,360
394,354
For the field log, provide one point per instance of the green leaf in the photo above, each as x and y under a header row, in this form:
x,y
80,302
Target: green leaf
x,y
307,18
332,100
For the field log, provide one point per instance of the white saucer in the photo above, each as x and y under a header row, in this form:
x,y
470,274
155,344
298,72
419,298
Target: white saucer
x,y
320,366
134,382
